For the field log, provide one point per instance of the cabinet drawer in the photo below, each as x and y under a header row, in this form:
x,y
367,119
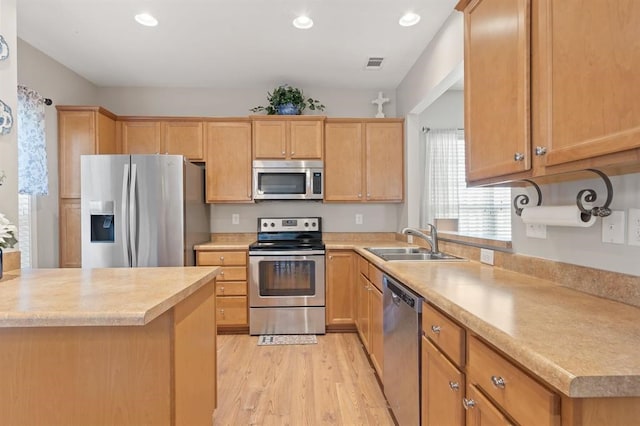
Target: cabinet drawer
x,y
221,258
363,266
526,400
231,310
231,288
375,276
446,334
233,273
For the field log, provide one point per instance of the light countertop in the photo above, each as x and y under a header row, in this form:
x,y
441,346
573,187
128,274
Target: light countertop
x,y
95,297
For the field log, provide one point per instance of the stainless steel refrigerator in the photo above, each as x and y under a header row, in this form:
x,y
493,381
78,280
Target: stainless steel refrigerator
x,y
141,210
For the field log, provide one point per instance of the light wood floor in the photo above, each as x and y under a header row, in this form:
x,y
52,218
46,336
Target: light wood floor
x,y
330,383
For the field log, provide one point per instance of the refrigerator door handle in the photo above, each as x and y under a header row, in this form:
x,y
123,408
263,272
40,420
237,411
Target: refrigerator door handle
x,y
133,219
126,249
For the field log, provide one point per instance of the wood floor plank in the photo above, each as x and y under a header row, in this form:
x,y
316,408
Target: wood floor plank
x,y
329,383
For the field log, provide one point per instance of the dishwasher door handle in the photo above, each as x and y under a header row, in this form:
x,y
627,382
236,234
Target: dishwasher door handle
x,y
396,299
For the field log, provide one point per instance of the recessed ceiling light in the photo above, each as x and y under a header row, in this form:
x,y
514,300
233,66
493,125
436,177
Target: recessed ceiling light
x,y
303,22
146,20
409,19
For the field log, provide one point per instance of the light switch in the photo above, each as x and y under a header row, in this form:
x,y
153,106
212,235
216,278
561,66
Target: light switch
x,y
613,229
235,219
359,219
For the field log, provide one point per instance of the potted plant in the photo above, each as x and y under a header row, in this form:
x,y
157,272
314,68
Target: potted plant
x,y
287,100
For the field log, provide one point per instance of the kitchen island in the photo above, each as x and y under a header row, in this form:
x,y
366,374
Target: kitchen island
x,y
108,346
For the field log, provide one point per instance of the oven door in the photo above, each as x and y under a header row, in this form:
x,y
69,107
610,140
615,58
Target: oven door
x,y
286,280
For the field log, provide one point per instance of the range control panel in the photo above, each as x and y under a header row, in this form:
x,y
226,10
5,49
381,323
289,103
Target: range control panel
x,y
280,224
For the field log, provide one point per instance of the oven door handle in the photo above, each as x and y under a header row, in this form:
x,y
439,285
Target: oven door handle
x,y
287,253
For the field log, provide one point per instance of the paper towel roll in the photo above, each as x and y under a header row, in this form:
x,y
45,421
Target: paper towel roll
x,y
557,216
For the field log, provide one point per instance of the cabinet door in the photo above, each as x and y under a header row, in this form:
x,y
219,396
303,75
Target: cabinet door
x,y
70,240
231,310
590,85
375,315
340,275
442,389
141,137
343,164
496,88
384,157
228,162
305,140
106,142
76,137
364,329
481,411
183,138
270,139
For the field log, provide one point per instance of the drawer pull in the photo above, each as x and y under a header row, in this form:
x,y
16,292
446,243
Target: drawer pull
x,y
455,386
436,329
498,382
518,156
468,403
221,258
222,289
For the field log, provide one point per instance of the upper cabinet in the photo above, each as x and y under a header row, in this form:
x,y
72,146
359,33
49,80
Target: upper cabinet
x,y
173,136
364,160
287,138
184,138
82,130
576,59
141,137
228,164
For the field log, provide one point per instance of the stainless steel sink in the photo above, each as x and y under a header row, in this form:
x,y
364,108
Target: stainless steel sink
x,y
411,253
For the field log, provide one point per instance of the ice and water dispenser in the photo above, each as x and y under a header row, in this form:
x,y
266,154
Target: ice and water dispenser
x,y
102,221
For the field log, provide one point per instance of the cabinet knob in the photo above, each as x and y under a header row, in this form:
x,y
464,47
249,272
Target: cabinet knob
x,y
222,289
293,152
359,195
541,150
283,153
455,386
222,273
498,382
222,258
222,312
468,403
436,329
368,195
518,156
330,257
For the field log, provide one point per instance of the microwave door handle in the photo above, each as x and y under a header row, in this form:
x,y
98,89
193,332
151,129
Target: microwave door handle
x,y
126,248
133,217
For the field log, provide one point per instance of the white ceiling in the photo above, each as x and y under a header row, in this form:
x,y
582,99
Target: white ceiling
x,y
232,43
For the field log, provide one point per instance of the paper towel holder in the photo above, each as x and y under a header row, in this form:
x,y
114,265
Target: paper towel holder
x,y
589,196
522,200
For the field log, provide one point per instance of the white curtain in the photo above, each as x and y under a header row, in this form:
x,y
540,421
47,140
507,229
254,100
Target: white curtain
x,y
32,153
440,188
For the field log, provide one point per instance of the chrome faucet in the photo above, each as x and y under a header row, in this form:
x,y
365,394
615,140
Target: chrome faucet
x,y
432,240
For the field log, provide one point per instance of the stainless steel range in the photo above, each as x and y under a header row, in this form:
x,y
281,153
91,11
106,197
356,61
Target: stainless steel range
x,y
286,277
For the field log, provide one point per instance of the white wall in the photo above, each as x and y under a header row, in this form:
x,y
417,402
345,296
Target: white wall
x,y
446,112
9,95
583,246
55,81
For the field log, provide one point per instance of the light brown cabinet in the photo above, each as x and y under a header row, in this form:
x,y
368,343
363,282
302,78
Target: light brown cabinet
x,y
228,161
364,160
553,50
141,137
184,138
156,136
231,288
340,290
291,138
81,131
369,313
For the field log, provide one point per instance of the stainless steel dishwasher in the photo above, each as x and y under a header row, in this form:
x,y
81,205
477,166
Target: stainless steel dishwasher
x,y
402,318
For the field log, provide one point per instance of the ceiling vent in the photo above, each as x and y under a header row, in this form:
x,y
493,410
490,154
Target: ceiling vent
x,y
374,63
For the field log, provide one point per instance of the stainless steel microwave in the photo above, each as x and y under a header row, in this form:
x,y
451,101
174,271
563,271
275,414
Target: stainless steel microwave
x,y
287,180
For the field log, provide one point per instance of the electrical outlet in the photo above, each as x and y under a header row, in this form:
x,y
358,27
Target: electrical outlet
x,y
633,234
359,219
235,219
613,228
486,256
536,230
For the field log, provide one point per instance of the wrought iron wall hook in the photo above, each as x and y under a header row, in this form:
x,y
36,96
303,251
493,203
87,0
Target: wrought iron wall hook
x,y
589,196
522,200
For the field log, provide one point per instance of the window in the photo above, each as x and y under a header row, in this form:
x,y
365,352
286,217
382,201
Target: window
x,y
446,200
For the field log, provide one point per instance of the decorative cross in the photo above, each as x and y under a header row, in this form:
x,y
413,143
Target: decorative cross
x,y
380,101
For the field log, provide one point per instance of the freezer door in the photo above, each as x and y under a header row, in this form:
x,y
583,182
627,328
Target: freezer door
x,y
104,221
157,210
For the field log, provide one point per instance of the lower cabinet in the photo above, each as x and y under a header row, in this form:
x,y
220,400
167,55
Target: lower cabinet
x,y
231,288
369,312
340,290
481,412
70,234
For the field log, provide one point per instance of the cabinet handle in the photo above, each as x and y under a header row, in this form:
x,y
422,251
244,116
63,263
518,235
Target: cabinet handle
x,y
541,150
221,258
222,312
293,152
436,329
222,289
468,403
359,195
518,156
222,273
455,386
498,382
330,257
283,153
